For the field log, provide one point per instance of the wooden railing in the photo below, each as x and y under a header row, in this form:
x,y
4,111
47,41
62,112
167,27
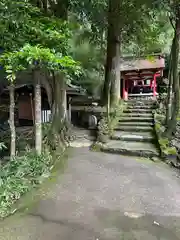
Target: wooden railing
x,y
46,116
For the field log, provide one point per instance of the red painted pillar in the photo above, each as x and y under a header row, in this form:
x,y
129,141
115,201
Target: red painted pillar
x,y
125,92
154,85
126,89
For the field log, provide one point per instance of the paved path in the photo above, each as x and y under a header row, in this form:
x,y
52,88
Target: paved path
x,y
105,197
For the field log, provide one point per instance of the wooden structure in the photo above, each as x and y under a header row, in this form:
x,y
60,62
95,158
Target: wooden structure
x,y
139,77
24,99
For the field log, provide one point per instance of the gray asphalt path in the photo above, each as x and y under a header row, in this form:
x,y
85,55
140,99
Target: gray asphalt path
x,y
105,197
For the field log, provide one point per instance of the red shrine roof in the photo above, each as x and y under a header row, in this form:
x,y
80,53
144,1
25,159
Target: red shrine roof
x,y
154,62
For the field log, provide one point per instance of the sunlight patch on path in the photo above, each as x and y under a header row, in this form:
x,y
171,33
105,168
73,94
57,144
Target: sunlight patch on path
x,y
133,215
78,144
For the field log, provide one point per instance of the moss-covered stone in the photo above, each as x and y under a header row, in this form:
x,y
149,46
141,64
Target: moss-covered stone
x,y
130,152
96,147
167,151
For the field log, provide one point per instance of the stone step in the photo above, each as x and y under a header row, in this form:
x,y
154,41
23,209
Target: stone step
x,y
141,110
133,136
136,114
136,119
137,107
135,124
141,149
140,105
146,128
144,101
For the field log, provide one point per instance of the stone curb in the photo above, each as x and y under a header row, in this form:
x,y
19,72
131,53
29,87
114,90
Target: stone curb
x,y
135,119
133,129
143,139
127,152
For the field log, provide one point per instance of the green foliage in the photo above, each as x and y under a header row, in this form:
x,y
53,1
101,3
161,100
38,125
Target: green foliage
x,y
164,142
158,127
159,122
20,175
92,56
36,57
145,26
23,23
96,147
103,129
145,29
33,39
2,146
115,115
166,148
170,151
14,19
107,124
92,15
151,35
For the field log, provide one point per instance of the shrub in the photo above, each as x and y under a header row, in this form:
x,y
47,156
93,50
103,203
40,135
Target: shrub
x,y
108,123
20,175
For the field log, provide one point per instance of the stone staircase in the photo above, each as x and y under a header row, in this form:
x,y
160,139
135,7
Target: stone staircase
x,y
134,134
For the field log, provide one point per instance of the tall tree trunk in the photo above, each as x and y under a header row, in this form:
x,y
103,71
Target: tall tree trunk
x,y
47,84
60,105
171,127
112,69
45,5
60,8
169,93
37,3
58,133
38,127
12,122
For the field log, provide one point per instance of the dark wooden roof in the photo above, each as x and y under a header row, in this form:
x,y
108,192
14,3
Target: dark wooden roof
x,y
134,63
25,79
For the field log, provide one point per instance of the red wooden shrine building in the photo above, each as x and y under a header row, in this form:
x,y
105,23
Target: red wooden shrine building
x,y
139,77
